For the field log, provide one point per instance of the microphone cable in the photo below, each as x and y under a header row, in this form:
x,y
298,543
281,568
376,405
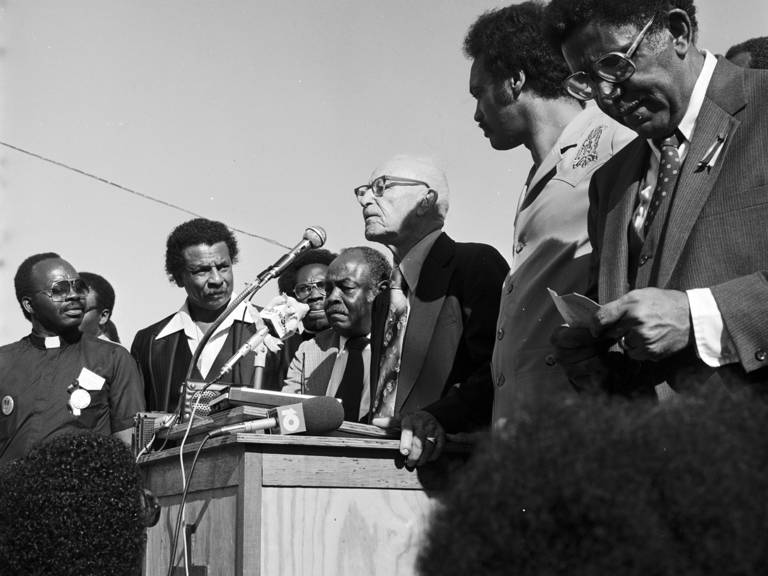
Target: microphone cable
x,y
180,513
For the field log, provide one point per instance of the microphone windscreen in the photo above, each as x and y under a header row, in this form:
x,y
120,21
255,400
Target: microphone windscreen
x,y
322,414
315,236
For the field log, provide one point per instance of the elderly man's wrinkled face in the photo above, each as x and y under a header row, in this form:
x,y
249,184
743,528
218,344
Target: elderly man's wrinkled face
x,y
389,206
654,99
207,276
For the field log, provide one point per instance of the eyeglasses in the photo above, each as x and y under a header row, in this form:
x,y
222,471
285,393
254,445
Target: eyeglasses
x,y
60,289
614,68
382,183
303,291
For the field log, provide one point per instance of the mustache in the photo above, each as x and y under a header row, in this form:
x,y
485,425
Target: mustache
x,y
335,310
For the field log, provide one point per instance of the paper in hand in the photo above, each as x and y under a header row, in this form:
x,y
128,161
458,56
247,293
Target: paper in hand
x,y
577,310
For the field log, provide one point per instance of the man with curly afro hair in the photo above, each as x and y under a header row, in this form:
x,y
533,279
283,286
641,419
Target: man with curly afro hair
x,y
516,79
608,488
677,217
73,506
199,257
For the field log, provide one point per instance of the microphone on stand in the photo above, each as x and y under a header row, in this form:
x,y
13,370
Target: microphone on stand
x,y
281,320
314,237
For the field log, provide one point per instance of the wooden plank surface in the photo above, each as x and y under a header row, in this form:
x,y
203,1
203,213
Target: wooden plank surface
x,y
350,532
212,514
361,471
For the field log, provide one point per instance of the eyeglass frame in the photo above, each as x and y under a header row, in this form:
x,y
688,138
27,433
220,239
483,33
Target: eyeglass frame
x,y
361,191
71,289
626,56
318,285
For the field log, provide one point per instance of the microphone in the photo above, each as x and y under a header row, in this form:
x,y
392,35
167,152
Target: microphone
x,y
314,237
252,343
316,415
281,319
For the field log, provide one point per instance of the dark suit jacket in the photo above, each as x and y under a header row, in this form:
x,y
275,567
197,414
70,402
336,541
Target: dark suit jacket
x,y
445,364
714,233
164,362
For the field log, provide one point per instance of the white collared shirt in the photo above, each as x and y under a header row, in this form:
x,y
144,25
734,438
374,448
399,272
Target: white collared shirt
x,y
688,123
713,343
182,321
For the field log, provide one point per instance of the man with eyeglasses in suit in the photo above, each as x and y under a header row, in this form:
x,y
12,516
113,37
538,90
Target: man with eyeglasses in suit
x,y
677,218
433,330
57,379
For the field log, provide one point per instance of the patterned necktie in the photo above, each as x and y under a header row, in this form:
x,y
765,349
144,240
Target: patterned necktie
x,y
669,171
351,387
392,347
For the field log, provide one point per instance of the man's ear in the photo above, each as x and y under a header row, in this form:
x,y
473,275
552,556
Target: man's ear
x,y
515,83
681,29
427,203
104,316
26,303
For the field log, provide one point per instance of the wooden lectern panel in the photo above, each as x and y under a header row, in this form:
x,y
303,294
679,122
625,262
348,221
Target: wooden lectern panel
x,y
332,532
284,506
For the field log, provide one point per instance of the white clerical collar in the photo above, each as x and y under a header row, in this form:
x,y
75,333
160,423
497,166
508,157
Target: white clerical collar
x,y
52,342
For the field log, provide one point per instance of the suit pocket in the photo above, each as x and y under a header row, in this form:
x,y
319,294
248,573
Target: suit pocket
x,y
736,201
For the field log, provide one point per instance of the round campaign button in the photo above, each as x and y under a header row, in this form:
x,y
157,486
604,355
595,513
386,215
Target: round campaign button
x,y
80,399
7,405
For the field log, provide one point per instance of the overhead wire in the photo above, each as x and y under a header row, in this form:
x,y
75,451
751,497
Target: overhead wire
x,y
134,192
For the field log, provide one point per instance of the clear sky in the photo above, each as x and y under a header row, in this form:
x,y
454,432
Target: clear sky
x,y
262,114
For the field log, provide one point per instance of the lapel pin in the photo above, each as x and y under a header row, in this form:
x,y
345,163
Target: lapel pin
x,y
711,155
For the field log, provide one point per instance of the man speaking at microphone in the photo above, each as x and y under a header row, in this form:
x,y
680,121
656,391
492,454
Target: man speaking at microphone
x,y
337,361
434,329
199,257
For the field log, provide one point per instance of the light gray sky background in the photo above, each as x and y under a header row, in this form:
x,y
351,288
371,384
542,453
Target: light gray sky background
x,y
262,114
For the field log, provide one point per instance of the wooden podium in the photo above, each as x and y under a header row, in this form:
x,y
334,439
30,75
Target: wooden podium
x,y
262,504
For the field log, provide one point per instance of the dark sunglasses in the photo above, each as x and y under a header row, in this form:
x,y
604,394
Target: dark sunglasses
x,y
61,289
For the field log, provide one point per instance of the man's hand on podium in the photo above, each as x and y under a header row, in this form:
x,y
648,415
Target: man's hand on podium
x,y
422,438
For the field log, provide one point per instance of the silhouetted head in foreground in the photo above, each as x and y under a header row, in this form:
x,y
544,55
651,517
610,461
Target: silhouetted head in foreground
x,y
597,488
72,506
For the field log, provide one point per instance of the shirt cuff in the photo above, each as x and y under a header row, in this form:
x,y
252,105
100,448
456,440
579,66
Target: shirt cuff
x,y
713,343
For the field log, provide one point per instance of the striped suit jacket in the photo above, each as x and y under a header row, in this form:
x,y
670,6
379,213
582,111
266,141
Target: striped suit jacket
x,y
713,235
315,359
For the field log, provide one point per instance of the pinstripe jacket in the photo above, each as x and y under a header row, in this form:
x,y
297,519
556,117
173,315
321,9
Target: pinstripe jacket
x,y
314,360
714,233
